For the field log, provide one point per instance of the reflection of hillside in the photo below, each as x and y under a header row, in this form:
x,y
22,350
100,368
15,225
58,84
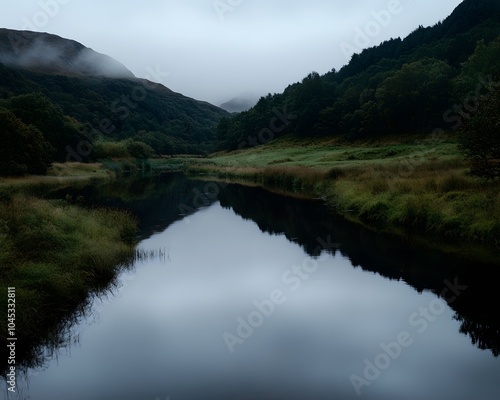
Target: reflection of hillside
x,y
304,222
157,201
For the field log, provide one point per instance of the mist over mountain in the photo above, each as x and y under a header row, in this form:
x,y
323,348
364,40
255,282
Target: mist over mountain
x,y
240,103
51,54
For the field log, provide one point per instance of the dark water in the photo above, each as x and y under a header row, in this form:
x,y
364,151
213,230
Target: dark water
x,y
262,296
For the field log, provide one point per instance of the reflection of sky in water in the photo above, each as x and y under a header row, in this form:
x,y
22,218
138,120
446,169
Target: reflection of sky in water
x,y
162,334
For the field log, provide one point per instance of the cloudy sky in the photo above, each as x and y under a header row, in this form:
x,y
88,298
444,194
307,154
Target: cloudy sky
x,y
214,50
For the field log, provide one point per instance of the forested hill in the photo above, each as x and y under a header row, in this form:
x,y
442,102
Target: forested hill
x,y
66,90
410,85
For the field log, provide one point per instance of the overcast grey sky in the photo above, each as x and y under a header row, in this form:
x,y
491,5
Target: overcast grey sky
x,y
214,50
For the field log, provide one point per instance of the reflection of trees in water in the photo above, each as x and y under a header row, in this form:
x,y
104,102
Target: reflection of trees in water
x,y
155,200
483,335
304,222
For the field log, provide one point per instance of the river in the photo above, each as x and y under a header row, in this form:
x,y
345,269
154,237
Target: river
x,y
255,295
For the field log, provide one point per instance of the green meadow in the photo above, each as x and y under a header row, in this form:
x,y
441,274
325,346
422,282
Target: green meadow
x,y
415,185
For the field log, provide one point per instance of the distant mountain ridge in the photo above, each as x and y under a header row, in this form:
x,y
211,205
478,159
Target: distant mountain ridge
x,y
240,103
51,54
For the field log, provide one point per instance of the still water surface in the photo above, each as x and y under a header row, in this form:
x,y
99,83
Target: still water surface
x,y
261,296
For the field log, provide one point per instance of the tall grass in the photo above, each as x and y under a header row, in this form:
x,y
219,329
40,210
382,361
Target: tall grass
x,y
54,253
431,201
294,179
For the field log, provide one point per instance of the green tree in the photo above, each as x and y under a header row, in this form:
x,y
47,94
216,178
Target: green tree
x,y
414,95
481,137
482,64
24,149
36,109
223,130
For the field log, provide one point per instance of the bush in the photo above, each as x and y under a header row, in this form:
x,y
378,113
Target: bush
x,y
140,150
107,150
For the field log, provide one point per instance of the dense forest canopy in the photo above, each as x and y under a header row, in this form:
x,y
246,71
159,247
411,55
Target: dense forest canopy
x,y
425,82
122,108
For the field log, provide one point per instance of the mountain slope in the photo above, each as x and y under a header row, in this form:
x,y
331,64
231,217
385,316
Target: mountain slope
x,y
240,103
400,86
100,95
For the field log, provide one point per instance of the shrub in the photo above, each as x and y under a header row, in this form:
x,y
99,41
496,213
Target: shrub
x,y
140,150
107,150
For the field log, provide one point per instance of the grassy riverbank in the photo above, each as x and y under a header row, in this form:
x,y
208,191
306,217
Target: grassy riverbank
x,y
55,252
410,186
